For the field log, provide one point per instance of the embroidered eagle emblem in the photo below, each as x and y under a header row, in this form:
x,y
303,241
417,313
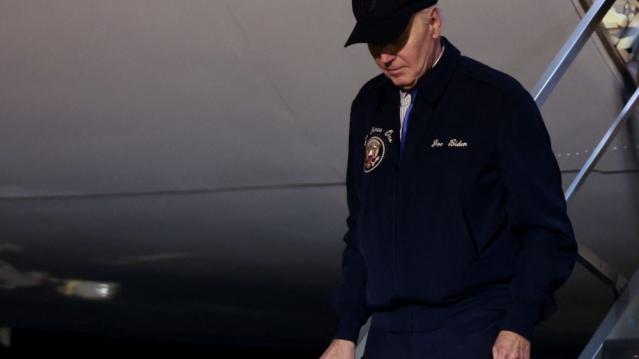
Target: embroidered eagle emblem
x,y
375,150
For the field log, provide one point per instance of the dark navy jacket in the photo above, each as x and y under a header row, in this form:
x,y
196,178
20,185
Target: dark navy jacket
x,y
475,201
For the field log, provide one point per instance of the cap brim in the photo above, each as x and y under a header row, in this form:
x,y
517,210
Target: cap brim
x,y
378,31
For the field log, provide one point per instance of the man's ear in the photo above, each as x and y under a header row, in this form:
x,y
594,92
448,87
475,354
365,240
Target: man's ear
x,y
436,23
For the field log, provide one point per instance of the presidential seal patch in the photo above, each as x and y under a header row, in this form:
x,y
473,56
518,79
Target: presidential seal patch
x,y
375,150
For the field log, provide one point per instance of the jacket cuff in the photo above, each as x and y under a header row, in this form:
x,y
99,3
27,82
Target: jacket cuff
x,y
348,328
522,318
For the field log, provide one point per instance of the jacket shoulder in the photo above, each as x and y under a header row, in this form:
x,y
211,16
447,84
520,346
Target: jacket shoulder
x,y
490,79
366,97
370,90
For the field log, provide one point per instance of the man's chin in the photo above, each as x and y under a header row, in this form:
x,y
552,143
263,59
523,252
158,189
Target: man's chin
x,y
401,82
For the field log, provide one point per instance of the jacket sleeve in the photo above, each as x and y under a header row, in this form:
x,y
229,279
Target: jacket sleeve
x,y
348,300
537,214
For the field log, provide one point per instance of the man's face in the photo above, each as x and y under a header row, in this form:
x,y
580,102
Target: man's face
x,y
409,56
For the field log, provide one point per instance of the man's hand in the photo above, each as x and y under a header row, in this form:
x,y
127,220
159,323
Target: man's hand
x,y
339,349
510,345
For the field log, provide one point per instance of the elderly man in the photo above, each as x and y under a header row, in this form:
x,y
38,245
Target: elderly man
x,y
458,234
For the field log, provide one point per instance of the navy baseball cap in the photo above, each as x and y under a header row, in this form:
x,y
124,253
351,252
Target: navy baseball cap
x,y
383,21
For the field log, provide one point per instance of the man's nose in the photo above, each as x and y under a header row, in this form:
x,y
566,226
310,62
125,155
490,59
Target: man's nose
x,y
387,58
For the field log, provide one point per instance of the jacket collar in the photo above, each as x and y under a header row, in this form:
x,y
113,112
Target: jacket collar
x,y
433,82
